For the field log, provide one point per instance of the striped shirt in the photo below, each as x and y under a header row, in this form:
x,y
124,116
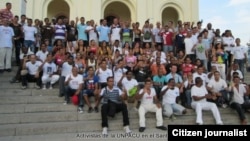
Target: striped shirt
x,y
6,14
112,95
60,31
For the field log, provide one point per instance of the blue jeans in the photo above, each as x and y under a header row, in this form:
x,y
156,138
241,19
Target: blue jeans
x,y
29,44
240,62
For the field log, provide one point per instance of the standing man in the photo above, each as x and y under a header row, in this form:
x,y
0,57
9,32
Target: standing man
x,y
239,55
6,13
30,35
81,28
104,32
6,43
17,38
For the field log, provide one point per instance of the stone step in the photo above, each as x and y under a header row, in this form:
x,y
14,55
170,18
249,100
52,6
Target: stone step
x,y
147,135
73,115
30,99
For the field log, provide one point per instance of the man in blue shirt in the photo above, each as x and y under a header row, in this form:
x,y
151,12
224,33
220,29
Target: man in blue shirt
x,y
81,28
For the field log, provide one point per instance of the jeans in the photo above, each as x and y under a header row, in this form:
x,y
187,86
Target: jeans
x,y
30,44
61,86
240,109
240,62
30,78
17,50
70,92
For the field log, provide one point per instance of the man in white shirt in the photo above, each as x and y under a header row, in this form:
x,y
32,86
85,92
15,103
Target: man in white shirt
x,y
238,103
92,32
218,88
30,35
199,102
49,72
103,73
148,96
74,85
42,54
31,71
202,75
115,31
157,38
239,55
6,36
65,69
170,94
119,72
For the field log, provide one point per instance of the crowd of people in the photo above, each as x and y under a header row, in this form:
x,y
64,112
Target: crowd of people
x,y
165,69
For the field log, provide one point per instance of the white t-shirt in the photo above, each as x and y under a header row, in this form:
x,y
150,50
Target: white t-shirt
x,y
199,91
148,98
170,96
158,38
203,76
103,75
129,84
42,55
33,68
49,68
217,85
29,33
238,52
75,81
238,96
115,33
228,41
6,34
188,45
118,74
66,69
92,33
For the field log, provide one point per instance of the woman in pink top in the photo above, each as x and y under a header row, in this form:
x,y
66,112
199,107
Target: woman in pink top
x,y
130,60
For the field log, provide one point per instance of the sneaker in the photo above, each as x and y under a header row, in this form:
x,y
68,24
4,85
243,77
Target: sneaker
x,y
141,129
24,87
44,87
90,110
8,70
105,131
13,80
162,127
80,110
224,105
50,87
172,117
37,87
127,130
96,109
65,103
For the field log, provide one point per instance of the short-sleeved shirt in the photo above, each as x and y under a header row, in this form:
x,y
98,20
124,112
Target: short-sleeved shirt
x,y
75,81
6,35
148,98
33,68
90,83
199,91
170,96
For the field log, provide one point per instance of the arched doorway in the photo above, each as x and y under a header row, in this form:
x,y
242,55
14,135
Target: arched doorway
x,y
117,10
58,8
169,14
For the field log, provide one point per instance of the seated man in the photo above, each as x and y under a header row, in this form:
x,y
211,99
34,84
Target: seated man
x,y
74,83
158,82
199,102
31,71
91,89
113,103
170,94
218,88
25,53
237,102
148,96
49,72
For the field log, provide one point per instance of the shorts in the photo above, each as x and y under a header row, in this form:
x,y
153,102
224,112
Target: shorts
x,y
88,92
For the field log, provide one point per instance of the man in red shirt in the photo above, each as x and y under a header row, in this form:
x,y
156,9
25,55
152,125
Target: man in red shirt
x,y
167,36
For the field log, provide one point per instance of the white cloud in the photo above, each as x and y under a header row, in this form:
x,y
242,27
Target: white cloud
x,y
243,16
237,2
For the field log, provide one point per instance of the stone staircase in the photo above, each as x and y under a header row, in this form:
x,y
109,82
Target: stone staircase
x,y
34,115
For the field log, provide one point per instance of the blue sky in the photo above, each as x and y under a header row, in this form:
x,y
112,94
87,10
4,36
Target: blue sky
x,y
227,14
